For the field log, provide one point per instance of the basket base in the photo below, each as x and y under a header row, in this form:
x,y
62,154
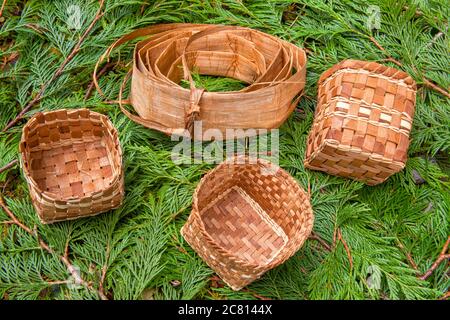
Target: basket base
x,y
74,170
242,227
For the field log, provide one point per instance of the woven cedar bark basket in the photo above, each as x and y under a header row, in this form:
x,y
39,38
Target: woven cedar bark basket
x,y
72,162
362,122
247,218
274,69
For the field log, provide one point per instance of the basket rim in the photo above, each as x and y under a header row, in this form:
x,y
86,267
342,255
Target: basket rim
x,y
54,196
350,64
244,263
172,85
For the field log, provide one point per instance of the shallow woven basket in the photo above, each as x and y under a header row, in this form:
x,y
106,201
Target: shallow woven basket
x,y
274,70
72,162
362,123
247,218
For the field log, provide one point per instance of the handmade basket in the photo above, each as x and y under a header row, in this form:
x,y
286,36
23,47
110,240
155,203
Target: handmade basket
x,y
362,122
72,162
274,69
247,218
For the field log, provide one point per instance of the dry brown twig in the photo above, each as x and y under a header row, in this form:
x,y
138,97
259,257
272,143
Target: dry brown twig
x,y
143,7
408,256
8,59
418,13
347,248
254,294
2,8
334,238
35,27
101,287
316,237
63,258
442,256
100,73
337,235
57,282
445,296
8,166
66,248
59,71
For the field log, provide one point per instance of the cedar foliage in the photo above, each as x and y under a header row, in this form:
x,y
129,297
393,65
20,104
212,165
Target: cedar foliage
x,y
139,247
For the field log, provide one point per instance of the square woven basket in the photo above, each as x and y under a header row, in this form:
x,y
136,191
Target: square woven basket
x,y
72,162
247,218
362,122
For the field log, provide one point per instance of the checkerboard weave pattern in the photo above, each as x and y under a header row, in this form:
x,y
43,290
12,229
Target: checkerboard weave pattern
x,y
72,162
248,216
362,123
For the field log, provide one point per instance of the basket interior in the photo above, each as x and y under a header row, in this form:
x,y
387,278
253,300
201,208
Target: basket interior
x,y
239,225
71,158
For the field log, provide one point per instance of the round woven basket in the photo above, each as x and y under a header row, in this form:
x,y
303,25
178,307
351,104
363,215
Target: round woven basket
x,y
248,216
72,162
274,70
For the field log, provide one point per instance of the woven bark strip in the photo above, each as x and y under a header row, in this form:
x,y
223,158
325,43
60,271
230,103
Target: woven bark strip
x,y
248,216
72,162
274,70
362,123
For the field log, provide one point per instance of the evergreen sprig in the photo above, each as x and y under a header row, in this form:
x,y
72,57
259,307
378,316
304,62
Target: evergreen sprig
x,y
389,234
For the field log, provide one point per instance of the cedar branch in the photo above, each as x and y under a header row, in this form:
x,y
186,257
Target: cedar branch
x,y
430,84
427,82
64,259
442,256
59,71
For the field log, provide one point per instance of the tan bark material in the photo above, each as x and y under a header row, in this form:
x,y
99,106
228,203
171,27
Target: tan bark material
x,y
274,70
